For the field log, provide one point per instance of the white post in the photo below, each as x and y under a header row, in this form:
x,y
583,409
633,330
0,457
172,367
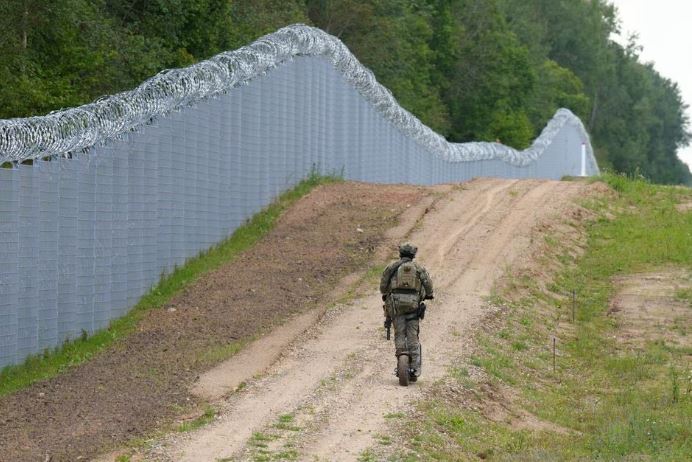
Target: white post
x,y
583,159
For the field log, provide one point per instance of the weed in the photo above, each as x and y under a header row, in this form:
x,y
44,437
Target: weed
x,y
674,385
260,440
285,422
685,295
204,419
286,454
367,456
373,274
459,373
219,353
551,241
384,440
519,346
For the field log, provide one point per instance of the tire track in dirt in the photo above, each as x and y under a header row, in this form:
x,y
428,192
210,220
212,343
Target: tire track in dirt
x,y
336,380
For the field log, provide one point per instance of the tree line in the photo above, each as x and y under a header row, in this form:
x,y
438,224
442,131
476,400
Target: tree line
x,y
470,69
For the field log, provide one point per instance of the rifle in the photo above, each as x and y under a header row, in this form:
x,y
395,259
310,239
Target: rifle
x,y
387,319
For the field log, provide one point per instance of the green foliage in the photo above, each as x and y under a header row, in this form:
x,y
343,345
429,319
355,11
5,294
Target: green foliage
x,y
559,87
490,79
635,116
206,418
391,37
470,69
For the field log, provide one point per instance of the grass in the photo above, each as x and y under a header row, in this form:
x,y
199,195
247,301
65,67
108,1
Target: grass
x,y
219,353
609,402
201,421
73,352
285,422
276,443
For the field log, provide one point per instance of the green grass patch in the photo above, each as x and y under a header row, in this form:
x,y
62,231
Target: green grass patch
x,y
201,421
259,439
450,434
285,422
373,274
685,295
219,353
73,352
608,402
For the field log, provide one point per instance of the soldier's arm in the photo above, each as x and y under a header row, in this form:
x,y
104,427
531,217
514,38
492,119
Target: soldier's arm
x,y
426,281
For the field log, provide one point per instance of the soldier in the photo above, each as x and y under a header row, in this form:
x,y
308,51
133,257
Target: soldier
x,y
404,285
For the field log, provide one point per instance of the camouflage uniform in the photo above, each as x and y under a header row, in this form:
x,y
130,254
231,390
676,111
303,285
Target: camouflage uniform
x,y
406,326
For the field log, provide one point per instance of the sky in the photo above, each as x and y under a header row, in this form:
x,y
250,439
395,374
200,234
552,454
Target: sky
x,y
665,32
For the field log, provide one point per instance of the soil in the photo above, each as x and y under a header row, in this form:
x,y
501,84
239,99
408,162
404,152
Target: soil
x,y
684,207
143,382
647,309
327,395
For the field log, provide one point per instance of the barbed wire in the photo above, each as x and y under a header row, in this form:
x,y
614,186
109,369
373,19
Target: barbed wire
x,y
76,129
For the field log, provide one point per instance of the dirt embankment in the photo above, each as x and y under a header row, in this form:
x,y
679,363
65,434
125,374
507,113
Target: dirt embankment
x,y
144,381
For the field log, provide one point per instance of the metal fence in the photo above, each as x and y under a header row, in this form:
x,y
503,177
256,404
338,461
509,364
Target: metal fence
x,y
84,236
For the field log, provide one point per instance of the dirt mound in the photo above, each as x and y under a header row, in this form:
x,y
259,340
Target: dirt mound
x,y
647,309
142,382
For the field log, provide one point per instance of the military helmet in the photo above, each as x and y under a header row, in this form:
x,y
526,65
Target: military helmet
x,y
407,250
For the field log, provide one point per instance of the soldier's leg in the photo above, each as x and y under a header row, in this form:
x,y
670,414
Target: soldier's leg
x,y
399,323
412,330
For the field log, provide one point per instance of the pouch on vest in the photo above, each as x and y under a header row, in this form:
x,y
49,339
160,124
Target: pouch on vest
x,y
405,303
405,287
406,278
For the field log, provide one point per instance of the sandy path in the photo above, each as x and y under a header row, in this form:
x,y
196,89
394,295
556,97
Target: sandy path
x,y
336,380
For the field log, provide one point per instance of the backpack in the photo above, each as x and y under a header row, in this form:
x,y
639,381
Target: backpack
x,y
405,288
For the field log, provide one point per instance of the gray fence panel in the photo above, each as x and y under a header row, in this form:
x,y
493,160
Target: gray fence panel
x,y
28,249
103,237
49,174
85,243
119,233
85,237
68,215
9,256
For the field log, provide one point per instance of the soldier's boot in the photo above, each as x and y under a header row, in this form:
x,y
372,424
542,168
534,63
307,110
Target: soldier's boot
x,y
416,364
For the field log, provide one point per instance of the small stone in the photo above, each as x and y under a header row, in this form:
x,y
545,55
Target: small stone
x,y
172,310
359,230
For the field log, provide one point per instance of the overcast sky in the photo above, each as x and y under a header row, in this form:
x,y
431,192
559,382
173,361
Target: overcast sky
x,y
665,32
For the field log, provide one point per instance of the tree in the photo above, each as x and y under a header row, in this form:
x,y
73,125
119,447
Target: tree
x,y
391,37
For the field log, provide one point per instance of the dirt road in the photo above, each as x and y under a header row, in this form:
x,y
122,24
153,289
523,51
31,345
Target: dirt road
x,y
329,394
